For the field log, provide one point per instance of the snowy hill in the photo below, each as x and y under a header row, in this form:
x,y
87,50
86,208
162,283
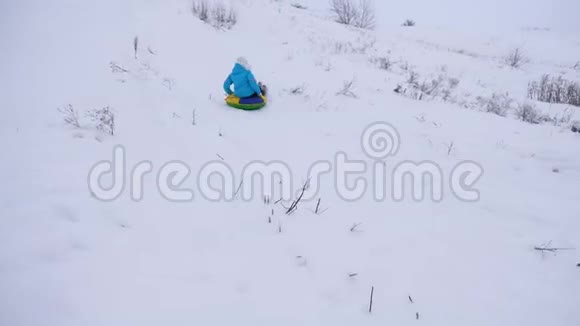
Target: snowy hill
x,y
489,239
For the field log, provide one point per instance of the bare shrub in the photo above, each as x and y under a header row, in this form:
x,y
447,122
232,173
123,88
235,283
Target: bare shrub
x,y
324,64
232,16
346,89
117,69
201,9
298,90
562,119
430,88
340,47
498,104
347,12
298,6
413,78
453,82
405,66
168,83
527,112
366,17
516,58
555,90
384,63
441,87
447,90
70,116
557,120
360,47
104,119
217,15
575,128
408,23
222,17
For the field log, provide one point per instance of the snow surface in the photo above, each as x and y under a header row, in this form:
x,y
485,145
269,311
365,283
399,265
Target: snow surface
x,y
69,259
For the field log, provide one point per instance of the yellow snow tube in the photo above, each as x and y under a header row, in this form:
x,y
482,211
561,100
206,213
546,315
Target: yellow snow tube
x,y
246,103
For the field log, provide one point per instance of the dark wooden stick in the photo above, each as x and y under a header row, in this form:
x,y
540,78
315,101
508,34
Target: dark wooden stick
x,y
238,190
136,45
551,249
294,205
371,300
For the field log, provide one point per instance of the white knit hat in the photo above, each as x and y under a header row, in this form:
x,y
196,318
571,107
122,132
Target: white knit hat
x,y
244,62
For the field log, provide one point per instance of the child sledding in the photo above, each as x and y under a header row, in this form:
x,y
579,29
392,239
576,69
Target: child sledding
x,y
248,94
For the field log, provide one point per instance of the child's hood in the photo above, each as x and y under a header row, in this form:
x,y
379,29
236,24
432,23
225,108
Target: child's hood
x,y
239,69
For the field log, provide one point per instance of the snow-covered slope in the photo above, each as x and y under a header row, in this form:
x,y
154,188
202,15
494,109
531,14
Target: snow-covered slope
x,y
67,258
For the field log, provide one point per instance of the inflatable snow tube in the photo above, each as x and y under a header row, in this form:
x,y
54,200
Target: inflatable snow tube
x,y
246,103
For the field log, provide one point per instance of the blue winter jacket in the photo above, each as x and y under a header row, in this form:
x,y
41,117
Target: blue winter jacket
x,y
245,84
